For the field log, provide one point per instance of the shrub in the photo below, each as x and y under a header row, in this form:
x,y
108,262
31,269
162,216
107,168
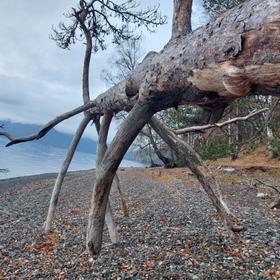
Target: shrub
x,y
216,147
274,146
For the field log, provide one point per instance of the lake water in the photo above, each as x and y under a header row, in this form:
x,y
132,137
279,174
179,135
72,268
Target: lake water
x,y
34,158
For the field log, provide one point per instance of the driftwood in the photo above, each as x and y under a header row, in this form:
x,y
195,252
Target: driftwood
x,y
212,76
235,55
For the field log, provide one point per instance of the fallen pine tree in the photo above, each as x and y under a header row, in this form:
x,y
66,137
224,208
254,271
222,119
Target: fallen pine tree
x,y
235,55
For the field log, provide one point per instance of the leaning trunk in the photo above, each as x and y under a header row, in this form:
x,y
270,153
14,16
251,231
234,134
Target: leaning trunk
x,y
130,128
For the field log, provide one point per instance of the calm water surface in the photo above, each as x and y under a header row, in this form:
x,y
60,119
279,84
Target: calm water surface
x,y
35,158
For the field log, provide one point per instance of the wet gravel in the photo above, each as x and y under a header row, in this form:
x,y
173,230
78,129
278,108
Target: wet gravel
x,y
173,231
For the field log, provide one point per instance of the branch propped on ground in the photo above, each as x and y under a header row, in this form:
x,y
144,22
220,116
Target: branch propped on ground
x,y
132,125
62,173
236,55
231,223
103,131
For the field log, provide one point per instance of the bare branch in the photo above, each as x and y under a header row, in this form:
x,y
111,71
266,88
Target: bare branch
x,y
51,124
7,135
173,141
63,171
219,125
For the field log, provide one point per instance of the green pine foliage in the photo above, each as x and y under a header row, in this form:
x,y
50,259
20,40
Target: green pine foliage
x,y
215,148
217,7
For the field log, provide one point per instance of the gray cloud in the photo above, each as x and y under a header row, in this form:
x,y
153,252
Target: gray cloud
x,y
37,79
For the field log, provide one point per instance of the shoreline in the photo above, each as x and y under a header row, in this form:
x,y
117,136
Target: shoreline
x,y
21,181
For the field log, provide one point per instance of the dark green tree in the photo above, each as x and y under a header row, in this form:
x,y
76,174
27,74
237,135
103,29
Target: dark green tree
x,y
216,7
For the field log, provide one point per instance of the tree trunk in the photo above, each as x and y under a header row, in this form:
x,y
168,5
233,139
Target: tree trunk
x,y
112,227
166,161
181,18
137,118
235,55
63,171
103,131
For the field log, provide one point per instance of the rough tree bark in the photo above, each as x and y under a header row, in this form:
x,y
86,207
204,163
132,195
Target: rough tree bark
x,y
102,148
80,131
235,55
122,197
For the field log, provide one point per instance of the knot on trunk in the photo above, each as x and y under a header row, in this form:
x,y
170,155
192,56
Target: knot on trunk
x,y
131,88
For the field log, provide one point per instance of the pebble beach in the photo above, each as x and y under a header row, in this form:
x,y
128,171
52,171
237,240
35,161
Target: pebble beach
x,y
172,231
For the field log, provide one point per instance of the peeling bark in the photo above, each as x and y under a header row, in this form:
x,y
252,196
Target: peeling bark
x,y
236,55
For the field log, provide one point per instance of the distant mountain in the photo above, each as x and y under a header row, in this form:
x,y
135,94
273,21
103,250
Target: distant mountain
x,y
53,138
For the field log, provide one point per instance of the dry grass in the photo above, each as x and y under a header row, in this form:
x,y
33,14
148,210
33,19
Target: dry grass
x,y
259,157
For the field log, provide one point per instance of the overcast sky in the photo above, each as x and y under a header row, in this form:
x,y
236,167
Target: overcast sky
x,y
39,80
